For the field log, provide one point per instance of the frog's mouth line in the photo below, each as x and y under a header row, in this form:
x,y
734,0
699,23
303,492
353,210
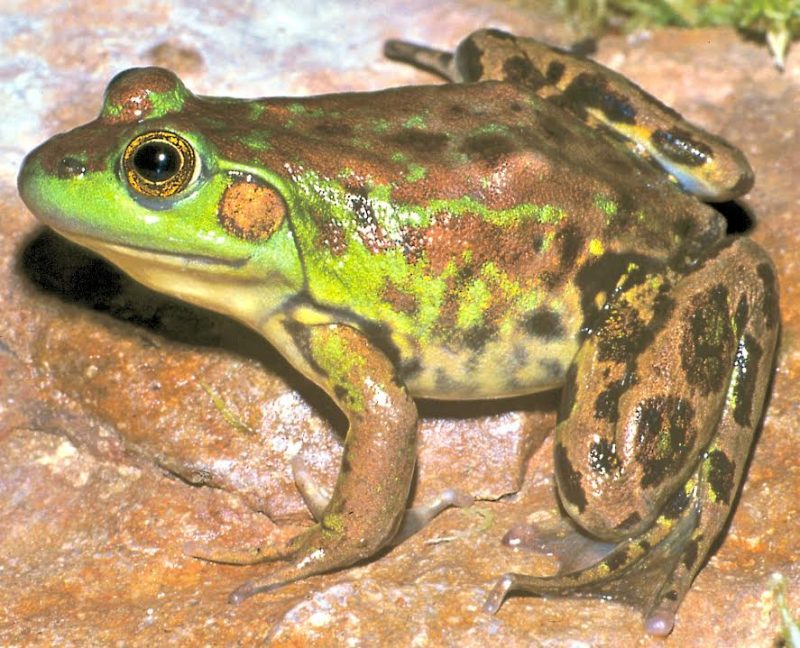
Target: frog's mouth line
x,y
147,254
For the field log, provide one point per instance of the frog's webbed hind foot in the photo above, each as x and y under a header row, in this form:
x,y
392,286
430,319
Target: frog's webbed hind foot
x,y
640,572
414,519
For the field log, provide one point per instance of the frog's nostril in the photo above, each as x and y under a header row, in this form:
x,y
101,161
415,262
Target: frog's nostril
x,y
71,167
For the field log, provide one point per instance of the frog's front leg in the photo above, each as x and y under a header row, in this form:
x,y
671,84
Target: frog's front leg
x,y
656,423
415,519
370,495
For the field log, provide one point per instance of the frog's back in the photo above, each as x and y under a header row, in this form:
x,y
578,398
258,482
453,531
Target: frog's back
x,y
467,224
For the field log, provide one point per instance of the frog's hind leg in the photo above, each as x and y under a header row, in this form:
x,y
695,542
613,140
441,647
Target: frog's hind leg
x,y
675,367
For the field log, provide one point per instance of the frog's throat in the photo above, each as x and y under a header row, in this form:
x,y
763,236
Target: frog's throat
x,y
194,278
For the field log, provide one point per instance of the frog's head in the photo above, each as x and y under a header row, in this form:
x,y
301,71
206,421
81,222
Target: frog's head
x,y
145,187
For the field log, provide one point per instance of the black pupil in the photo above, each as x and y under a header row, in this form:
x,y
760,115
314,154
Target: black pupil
x,y
156,161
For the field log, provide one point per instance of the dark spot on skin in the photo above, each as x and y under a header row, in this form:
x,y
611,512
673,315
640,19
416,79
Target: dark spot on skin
x,y
617,559
690,552
410,369
515,106
476,337
544,323
555,70
721,472
443,380
489,147
699,246
346,466
665,437
568,393
380,335
468,60
569,479
644,545
571,241
514,385
676,505
679,146
629,522
592,91
301,337
552,369
339,128
767,276
332,236
683,227
519,356
606,406
708,341
421,142
672,595
457,109
361,208
519,69
603,458
341,393
622,334
741,315
748,357
601,274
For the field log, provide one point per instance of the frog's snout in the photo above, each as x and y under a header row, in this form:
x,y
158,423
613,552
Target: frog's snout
x,y
26,176
55,159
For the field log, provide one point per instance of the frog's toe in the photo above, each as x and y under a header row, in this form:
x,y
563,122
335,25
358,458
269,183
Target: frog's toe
x,y
247,556
660,622
417,518
314,495
274,581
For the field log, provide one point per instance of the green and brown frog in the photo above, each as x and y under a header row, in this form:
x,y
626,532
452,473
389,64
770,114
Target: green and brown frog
x,y
535,224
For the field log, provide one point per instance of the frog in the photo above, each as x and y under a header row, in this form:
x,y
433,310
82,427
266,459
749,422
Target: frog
x,y
537,223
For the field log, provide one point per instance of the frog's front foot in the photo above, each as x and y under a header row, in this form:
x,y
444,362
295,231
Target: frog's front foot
x,y
414,519
317,550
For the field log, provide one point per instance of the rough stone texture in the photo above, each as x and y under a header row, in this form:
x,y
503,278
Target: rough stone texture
x,y
131,424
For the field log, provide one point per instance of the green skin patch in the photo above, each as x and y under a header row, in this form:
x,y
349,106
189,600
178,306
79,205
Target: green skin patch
x,y
459,241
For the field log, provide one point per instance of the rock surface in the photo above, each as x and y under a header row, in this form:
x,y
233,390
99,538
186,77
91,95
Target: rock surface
x,y
131,424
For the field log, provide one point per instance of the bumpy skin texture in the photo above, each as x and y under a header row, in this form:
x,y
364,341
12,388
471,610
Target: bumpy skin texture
x,y
462,241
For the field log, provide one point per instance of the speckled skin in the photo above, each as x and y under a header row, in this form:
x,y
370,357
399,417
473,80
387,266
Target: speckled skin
x,y
462,241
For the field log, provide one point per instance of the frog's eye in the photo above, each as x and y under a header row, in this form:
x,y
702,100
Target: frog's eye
x,y
159,164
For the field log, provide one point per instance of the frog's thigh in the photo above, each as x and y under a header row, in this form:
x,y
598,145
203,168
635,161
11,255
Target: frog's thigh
x,y
370,495
677,368
670,356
